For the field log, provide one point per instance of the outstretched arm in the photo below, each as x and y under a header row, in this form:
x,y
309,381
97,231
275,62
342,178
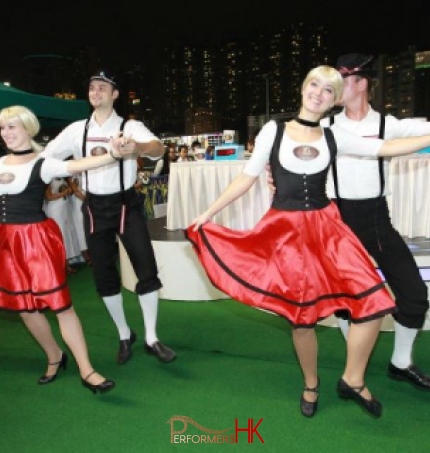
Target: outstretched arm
x,y
240,184
402,146
117,152
153,148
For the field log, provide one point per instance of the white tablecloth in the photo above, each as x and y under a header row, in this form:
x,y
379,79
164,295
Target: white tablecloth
x,y
409,200
193,186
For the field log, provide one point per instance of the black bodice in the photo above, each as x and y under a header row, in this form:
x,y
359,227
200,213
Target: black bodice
x,y
27,206
299,192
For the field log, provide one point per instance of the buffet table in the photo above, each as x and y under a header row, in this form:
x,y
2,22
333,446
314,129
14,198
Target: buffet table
x,y
193,186
409,199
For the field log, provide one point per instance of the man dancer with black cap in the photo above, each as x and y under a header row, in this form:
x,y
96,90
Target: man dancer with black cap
x,y
360,191
111,209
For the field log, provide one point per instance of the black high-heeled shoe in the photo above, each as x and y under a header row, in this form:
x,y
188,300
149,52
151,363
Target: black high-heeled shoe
x,y
62,363
103,387
308,408
346,392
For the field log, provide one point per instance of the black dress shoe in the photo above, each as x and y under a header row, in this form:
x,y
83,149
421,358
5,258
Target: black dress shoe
x,y
62,363
163,353
124,352
372,406
308,408
103,387
411,374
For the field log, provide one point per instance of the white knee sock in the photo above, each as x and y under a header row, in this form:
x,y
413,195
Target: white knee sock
x,y
344,326
149,304
115,308
404,338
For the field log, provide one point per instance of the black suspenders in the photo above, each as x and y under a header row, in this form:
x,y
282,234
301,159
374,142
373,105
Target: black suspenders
x,y
331,142
280,126
380,161
84,153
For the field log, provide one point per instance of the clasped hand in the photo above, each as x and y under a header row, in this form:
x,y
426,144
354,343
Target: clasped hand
x,y
122,145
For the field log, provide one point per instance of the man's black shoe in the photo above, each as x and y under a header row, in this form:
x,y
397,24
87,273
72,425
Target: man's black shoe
x,y
124,352
163,353
410,374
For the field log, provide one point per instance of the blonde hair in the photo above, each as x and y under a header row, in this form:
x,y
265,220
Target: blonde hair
x,y
27,118
329,75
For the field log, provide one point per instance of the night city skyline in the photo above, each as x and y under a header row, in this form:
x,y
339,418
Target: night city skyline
x,y
130,33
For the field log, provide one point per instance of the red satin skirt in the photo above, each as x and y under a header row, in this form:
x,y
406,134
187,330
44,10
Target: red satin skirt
x,y
33,272
302,265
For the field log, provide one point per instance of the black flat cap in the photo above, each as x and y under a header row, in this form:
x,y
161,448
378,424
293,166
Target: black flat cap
x,y
106,76
356,64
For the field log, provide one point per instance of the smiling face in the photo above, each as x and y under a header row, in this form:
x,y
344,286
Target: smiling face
x,y
318,96
321,89
14,134
102,94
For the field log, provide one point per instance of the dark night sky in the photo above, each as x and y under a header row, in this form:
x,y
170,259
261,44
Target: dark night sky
x,y
127,32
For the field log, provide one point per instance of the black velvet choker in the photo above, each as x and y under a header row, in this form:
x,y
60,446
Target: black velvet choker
x,y
306,122
21,153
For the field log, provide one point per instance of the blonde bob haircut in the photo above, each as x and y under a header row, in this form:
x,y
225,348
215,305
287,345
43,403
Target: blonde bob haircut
x,y
329,75
26,117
